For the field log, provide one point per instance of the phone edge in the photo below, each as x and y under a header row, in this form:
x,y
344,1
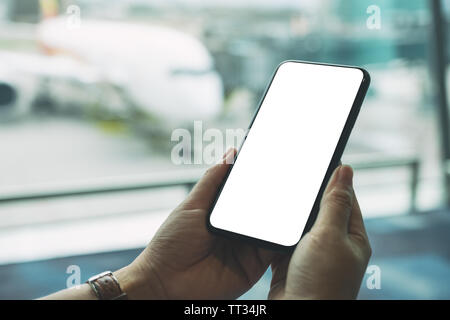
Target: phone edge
x,y
334,162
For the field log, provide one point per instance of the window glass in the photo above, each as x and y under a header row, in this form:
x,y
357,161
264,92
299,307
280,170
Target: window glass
x,y
94,90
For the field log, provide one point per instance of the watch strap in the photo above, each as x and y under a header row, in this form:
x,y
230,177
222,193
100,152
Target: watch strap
x,y
106,287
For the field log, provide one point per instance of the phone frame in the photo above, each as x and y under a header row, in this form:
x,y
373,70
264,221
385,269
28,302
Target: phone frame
x,y
334,162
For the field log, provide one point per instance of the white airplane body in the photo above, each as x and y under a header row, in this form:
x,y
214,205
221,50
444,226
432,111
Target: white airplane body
x,y
164,72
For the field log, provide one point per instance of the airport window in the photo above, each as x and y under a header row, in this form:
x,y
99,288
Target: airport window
x,y
91,93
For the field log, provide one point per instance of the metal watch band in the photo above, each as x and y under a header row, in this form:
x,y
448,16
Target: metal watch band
x,y
106,287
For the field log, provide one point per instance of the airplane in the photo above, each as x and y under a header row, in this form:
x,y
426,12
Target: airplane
x,y
126,68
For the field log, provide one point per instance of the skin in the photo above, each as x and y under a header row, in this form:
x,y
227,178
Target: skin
x,y
185,261
330,261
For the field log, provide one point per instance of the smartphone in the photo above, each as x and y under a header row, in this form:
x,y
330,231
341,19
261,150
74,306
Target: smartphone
x,y
272,191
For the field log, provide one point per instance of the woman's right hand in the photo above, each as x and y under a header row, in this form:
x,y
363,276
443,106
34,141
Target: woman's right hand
x,y
330,260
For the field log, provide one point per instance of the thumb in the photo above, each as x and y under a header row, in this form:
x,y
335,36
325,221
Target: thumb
x,y
337,201
205,191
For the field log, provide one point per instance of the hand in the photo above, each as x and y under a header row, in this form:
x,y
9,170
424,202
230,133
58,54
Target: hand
x,y
185,261
330,260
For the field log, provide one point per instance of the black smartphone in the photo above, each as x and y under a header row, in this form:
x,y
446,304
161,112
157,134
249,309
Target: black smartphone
x,y
272,191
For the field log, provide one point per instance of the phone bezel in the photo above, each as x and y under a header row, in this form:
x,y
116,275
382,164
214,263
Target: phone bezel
x,y
334,162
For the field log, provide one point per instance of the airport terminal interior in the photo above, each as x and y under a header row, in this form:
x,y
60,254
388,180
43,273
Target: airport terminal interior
x,y
91,92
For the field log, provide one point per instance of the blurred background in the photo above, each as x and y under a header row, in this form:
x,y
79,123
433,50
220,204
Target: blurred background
x,y
91,90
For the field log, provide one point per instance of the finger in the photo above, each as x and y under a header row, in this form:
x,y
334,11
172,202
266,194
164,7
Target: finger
x,y
228,153
279,267
204,192
356,225
267,256
337,201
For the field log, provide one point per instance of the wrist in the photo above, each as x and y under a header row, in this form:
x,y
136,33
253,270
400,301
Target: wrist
x,y
138,284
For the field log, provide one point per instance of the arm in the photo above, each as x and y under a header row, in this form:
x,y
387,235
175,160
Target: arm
x,y
185,261
129,283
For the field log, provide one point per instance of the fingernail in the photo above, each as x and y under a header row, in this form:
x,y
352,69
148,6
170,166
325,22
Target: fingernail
x,y
345,175
226,154
229,157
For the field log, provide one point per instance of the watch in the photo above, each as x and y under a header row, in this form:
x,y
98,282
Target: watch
x,y
106,287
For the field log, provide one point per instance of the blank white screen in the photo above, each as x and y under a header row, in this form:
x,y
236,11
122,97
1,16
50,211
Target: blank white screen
x,y
275,180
